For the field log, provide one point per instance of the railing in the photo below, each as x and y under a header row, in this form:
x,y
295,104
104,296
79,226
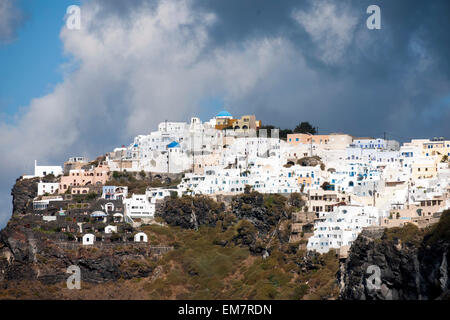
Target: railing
x,y
100,244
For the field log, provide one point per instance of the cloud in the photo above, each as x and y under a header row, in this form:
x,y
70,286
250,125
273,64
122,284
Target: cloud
x,y
11,18
288,61
132,74
331,28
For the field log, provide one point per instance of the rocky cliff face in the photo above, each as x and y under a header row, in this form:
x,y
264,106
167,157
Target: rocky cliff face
x,y
191,212
399,263
257,218
23,193
26,254
30,252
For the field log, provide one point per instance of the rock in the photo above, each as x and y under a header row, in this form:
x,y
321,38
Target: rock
x,y
29,255
23,193
408,269
191,212
264,213
309,161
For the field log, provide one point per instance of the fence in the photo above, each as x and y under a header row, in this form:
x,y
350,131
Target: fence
x,y
100,244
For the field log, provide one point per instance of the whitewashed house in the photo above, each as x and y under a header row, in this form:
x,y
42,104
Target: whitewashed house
x,y
45,202
88,239
155,194
47,187
138,206
118,217
110,229
140,237
114,192
341,227
42,171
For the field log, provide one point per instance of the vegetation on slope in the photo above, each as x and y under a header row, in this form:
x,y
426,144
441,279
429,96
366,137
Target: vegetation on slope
x,y
138,182
202,267
236,251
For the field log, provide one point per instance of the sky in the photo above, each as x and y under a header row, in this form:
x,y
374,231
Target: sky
x,y
135,63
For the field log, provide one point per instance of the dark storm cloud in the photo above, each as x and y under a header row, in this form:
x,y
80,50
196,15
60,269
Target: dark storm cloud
x,y
388,77
384,88
402,20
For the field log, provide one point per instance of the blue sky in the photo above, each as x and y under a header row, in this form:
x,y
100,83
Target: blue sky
x,y
31,64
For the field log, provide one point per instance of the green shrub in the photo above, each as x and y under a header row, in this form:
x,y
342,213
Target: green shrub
x,y
440,231
409,233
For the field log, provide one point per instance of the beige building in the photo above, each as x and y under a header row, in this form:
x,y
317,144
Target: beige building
x,y
430,148
331,141
224,120
424,169
422,213
302,227
436,147
77,178
246,122
325,200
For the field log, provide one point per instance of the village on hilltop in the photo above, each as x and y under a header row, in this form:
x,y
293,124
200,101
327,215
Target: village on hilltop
x,y
348,183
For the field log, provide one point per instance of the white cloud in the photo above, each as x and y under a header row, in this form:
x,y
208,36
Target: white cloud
x,y
330,27
132,74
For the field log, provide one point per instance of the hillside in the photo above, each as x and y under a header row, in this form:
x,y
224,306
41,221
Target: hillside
x,y
210,250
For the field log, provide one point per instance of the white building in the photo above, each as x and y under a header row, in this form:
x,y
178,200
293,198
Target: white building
x,y
110,229
156,194
371,143
42,171
341,227
138,206
171,149
88,239
78,159
114,192
140,237
47,187
45,202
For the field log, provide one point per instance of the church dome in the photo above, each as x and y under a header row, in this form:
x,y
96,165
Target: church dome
x,y
224,114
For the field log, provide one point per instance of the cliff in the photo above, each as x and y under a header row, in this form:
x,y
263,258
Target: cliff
x,y
412,264
32,249
29,254
23,193
207,250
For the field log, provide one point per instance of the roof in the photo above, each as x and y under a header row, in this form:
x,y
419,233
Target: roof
x,y
173,144
98,214
224,113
